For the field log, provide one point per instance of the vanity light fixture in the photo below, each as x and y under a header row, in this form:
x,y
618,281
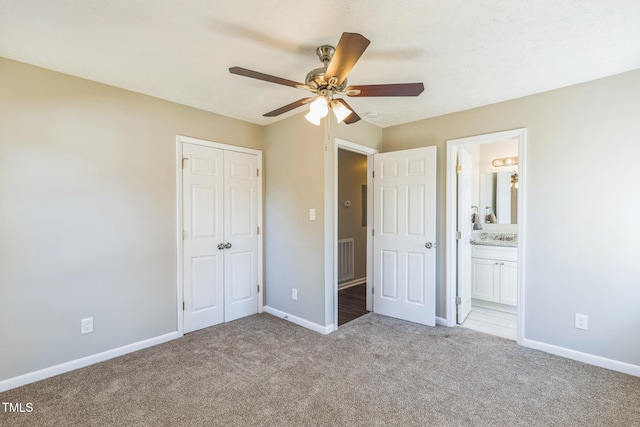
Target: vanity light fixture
x,y
505,161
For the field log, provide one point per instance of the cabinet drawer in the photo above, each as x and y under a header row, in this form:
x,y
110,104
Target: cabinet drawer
x,y
494,252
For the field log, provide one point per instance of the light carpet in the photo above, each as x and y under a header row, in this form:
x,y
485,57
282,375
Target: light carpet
x,y
376,370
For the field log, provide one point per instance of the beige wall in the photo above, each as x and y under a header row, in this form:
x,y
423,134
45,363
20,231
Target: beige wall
x,y
352,175
300,173
294,245
88,213
581,209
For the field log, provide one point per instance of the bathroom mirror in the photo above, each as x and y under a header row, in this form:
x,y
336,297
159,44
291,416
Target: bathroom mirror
x,y
499,197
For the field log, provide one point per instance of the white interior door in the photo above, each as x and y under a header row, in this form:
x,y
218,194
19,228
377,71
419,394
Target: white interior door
x,y
404,234
464,227
241,238
202,195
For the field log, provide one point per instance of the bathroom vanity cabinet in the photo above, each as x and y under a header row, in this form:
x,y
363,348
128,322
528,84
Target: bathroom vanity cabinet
x,y
494,274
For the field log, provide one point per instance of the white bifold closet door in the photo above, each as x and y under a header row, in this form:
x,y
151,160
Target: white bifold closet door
x,y
220,215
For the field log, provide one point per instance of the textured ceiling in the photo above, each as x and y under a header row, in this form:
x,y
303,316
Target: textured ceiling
x,y
467,53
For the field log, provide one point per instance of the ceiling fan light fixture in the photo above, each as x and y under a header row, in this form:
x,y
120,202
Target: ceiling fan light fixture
x,y
313,118
340,110
319,107
331,79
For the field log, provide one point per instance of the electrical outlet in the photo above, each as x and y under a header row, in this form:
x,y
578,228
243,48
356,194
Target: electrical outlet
x,y
312,214
294,294
582,321
86,325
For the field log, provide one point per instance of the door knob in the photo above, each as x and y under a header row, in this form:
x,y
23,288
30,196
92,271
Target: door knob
x,y
227,246
221,246
428,245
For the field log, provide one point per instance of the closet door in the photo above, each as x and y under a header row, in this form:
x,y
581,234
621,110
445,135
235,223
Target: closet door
x,y
202,197
241,234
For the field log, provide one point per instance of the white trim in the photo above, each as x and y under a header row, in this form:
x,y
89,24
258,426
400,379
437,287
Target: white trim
x,y
351,283
369,152
72,365
451,210
324,330
441,321
590,359
330,230
179,241
220,145
180,140
356,148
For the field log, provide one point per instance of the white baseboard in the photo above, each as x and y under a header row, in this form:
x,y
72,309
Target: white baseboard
x,y
52,371
351,283
590,359
441,321
300,321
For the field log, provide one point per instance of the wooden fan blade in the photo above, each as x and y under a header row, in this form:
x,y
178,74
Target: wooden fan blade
x,y
351,118
399,89
350,48
288,107
261,76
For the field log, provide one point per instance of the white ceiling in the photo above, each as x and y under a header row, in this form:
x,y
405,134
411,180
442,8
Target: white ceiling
x,y
467,53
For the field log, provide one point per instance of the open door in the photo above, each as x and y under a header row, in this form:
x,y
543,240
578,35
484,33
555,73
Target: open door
x,y
464,230
404,234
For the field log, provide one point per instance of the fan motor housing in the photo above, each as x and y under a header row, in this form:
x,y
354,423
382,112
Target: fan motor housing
x,y
316,77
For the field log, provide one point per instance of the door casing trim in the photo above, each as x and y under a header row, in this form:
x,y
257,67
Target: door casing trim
x,y
369,152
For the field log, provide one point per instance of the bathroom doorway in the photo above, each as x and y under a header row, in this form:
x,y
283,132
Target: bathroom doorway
x,y
485,214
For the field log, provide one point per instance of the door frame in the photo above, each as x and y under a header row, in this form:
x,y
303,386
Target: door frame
x,y
333,244
180,140
451,211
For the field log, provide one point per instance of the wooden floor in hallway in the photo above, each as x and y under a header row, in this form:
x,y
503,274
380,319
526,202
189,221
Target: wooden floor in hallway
x,y
352,303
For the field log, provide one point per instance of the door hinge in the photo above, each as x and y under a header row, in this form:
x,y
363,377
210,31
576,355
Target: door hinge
x,y
458,168
458,235
258,288
372,232
182,305
258,230
184,162
458,300
372,291
373,174
257,172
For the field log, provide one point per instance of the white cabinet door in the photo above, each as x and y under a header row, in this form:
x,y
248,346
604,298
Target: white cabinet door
x,y
202,197
509,282
241,228
405,231
486,279
220,221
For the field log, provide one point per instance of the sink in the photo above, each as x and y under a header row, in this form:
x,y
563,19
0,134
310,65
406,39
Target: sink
x,y
495,239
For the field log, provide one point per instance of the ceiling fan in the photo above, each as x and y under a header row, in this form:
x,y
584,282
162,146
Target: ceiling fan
x,y
331,79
